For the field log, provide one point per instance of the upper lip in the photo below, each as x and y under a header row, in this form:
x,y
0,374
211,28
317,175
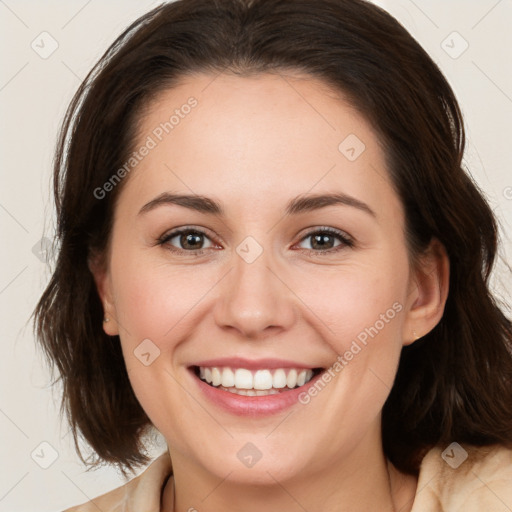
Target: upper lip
x,y
253,364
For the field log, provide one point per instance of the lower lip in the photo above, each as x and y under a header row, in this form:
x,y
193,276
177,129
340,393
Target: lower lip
x,y
253,405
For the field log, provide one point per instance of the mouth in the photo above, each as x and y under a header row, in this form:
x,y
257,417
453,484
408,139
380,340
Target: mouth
x,y
255,382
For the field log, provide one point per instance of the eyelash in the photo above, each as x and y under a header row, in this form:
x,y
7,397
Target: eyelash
x,y
343,237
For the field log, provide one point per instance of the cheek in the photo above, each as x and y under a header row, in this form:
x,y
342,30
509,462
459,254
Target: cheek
x,y
358,303
154,306
363,307
152,298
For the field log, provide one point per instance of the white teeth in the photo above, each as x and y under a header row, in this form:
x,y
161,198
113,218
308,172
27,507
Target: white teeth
x,y
279,379
251,392
243,379
228,378
259,383
262,379
291,380
216,377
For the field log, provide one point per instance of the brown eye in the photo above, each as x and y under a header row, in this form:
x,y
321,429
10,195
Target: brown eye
x,y
185,240
191,240
325,240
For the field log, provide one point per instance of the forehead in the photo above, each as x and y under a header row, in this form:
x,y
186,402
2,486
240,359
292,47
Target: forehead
x,y
258,140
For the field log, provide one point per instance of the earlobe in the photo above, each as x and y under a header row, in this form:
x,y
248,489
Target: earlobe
x,y
428,293
103,284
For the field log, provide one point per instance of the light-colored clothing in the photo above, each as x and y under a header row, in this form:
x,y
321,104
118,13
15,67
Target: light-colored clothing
x,y
481,483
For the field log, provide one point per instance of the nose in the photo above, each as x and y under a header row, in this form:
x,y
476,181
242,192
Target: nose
x,y
255,300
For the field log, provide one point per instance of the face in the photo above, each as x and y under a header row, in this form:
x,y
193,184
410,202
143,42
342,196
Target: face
x,y
251,284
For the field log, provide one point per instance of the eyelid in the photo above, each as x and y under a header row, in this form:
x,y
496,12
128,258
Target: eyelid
x,y
345,239
311,230
168,235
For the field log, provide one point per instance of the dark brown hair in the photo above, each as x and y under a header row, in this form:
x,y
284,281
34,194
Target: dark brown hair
x,y
454,384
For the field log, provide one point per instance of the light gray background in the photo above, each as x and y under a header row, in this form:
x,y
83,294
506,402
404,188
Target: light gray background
x,y
34,93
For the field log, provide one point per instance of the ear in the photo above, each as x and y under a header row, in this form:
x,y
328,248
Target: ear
x,y
101,275
428,291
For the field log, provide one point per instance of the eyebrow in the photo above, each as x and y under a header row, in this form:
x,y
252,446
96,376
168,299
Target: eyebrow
x,y
299,204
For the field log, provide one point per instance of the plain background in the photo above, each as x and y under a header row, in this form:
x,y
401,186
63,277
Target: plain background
x,y
34,93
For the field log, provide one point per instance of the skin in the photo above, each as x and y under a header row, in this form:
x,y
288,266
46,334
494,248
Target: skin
x,y
253,144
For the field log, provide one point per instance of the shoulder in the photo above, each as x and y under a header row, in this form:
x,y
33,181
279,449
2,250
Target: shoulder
x,y
141,493
465,479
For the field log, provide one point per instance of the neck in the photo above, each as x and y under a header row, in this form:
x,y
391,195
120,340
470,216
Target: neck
x,y
362,481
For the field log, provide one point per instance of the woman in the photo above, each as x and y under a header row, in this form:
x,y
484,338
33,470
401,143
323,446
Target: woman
x,y
271,254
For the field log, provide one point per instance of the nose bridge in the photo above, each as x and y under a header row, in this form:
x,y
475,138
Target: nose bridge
x,y
253,297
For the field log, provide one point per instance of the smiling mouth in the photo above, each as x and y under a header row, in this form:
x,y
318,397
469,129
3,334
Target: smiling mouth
x,y
263,382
